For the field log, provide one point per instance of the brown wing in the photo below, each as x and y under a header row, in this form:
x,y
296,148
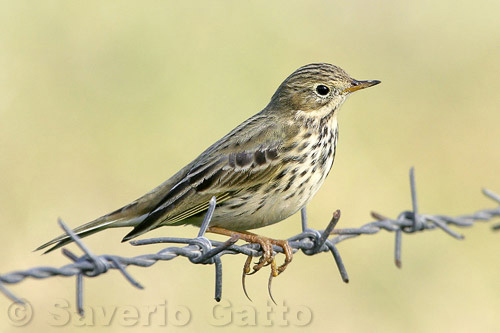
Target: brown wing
x,y
248,156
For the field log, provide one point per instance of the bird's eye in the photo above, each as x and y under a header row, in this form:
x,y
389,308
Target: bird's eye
x,y
322,90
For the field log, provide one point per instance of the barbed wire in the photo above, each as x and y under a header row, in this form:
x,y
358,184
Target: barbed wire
x,y
201,250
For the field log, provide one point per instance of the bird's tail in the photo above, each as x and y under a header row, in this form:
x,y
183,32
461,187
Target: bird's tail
x,y
128,216
104,222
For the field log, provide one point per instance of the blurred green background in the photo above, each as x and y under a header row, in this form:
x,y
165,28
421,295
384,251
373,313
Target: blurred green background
x,y
102,101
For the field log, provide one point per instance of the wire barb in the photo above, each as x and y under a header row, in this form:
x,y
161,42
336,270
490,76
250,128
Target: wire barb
x,y
201,250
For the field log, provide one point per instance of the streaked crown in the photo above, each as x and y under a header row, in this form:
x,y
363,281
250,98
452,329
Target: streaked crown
x,y
315,86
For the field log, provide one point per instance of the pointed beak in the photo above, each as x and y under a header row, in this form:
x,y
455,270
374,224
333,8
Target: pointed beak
x,y
358,85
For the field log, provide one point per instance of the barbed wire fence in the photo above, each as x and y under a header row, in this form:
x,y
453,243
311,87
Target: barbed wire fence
x,y
201,250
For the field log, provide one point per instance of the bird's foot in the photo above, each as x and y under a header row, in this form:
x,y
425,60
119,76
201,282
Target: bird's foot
x,y
268,255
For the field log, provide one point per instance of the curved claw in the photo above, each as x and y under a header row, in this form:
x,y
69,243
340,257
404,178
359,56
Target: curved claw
x,y
251,273
246,270
269,288
274,273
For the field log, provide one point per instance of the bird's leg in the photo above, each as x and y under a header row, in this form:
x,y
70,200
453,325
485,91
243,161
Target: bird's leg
x,y
266,245
267,257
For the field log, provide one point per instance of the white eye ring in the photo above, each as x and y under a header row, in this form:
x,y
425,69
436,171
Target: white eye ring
x,y
322,90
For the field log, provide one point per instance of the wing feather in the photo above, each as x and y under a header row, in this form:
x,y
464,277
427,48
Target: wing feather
x,y
234,163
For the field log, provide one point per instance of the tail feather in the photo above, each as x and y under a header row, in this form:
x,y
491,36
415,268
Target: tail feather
x,y
92,227
82,231
128,216
64,240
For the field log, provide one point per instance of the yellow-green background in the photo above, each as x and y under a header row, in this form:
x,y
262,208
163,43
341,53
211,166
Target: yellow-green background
x,y
100,101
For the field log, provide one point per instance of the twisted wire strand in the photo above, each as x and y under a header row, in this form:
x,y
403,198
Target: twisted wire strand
x,y
201,250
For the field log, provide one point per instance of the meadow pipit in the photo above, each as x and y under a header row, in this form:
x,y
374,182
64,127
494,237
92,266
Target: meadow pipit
x,y
263,171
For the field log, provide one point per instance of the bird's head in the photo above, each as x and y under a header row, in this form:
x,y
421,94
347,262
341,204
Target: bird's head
x,y
316,89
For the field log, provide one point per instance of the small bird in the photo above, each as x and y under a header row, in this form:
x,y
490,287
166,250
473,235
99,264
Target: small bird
x,y
263,171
